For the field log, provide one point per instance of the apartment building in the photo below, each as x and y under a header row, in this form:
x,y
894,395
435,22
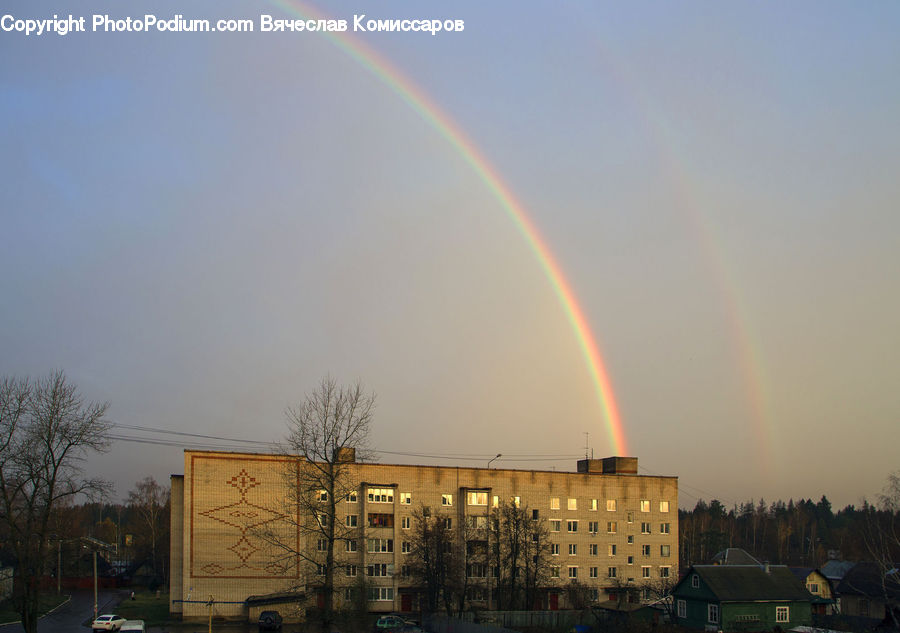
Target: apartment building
x,y
608,528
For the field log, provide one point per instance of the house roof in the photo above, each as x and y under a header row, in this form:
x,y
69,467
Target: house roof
x,y
802,573
743,583
835,569
865,579
734,556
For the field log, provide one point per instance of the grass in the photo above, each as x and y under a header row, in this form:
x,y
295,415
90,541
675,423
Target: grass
x,y
48,602
146,606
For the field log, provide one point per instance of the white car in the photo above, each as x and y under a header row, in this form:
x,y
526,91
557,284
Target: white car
x,y
108,622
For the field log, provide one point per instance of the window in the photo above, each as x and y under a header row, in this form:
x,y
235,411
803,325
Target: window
x,y
379,570
573,504
593,527
612,549
516,501
351,497
682,609
782,614
350,570
572,525
712,613
554,571
611,527
406,498
645,528
405,523
405,547
664,572
610,505
381,545
322,519
665,550
381,594
554,549
554,525
664,528
352,520
405,571
495,502
813,587
573,549
594,505
645,550
381,520
351,545
629,517
611,572
645,505
476,570
478,498
320,569
645,571
554,503
695,582
446,500
631,539
476,522
535,513
663,506
381,495
322,495
573,572
322,545
448,523
593,549
631,560
593,572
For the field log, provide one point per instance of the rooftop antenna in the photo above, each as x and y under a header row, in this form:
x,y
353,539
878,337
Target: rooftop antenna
x,y
586,443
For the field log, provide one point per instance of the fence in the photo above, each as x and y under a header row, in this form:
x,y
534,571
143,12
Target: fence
x,y
508,621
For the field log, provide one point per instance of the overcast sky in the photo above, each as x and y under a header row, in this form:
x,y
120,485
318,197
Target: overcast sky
x,y
199,227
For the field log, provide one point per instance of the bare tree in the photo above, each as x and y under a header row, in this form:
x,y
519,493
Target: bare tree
x,y
519,555
150,502
328,431
432,553
882,540
46,431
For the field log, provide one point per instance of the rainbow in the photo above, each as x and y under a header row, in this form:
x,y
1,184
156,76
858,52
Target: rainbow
x,y
441,123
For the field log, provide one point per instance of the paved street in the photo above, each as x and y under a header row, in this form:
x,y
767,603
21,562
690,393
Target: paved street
x,y
71,617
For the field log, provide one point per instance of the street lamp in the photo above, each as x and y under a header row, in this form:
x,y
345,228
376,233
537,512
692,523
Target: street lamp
x,y
493,458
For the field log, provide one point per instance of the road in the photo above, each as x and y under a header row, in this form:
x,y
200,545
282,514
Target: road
x,y
72,616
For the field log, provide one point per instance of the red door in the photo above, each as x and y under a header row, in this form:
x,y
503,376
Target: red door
x,y
554,601
406,602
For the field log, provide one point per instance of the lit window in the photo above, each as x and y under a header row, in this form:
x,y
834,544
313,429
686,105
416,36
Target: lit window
x,y
782,614
663,506
555,525
573,504
351,497
352,520
611,527
495,502
573,572
406,498
610,505
573,549
478,498
645,572
554,549
322,495
612,549
593,504
516,501
572,525
554,503
665,550
381,495
645,505
446,500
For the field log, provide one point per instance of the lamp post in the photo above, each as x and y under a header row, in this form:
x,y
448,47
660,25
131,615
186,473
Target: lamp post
x,y
493,458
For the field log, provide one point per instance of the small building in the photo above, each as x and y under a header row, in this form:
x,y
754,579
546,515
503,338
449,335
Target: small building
x,y
741,598
871,592
819,587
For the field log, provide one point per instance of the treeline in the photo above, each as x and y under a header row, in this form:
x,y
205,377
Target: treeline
x,y
800,533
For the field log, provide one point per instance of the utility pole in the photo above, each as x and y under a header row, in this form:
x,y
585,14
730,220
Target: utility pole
x,y
58,567
210,604
96,611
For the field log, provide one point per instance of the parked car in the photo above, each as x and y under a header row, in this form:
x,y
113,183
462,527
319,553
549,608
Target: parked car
x,y
269,621
108,622
132,626
392,623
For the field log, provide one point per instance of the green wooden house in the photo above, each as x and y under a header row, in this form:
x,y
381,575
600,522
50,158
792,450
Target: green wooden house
x,y
734,598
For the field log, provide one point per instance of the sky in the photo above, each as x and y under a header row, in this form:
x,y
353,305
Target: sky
x,y
199,227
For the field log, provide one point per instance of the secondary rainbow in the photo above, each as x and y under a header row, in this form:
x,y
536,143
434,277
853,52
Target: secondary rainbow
x,y
434,116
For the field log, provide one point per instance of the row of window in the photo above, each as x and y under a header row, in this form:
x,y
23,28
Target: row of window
x,y
593,549
480,498
611,572
479,570
376,520
782,614
611,526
